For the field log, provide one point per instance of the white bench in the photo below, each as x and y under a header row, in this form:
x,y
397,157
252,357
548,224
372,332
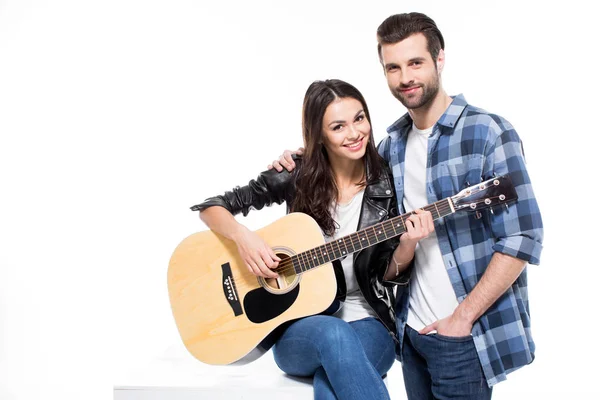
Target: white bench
x,y
176,375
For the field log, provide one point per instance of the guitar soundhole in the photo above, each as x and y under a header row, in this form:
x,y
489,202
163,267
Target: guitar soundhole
x,y
287,279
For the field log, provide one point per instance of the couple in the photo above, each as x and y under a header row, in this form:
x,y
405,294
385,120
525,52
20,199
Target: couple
x,y
449,299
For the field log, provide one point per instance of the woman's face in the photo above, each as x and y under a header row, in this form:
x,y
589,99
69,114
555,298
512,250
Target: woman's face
x,y
346,129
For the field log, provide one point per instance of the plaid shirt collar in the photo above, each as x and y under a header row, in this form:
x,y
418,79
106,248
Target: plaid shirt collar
x,y
402,126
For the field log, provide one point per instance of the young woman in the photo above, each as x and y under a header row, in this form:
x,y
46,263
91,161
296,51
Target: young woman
x,y
344,185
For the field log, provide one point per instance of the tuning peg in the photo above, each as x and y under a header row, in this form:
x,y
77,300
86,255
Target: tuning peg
x,y
506,206
478,215
492,211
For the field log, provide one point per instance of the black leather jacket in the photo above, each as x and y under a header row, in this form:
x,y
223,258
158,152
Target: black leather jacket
x,y
370,264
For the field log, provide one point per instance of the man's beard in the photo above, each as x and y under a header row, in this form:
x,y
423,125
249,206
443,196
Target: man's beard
x,y
429,91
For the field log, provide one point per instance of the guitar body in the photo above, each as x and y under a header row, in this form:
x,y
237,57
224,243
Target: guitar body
x,y
222,310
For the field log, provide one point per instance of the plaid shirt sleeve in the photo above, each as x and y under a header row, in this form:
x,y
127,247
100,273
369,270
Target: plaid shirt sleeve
x,y
519,232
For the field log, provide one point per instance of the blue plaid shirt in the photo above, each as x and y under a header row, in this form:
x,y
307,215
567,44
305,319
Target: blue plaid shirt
x,y
468,145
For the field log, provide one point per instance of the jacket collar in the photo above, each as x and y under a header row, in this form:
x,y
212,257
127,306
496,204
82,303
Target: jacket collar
x,y
381,188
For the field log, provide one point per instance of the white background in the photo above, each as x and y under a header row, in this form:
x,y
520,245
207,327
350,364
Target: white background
x,y
116,116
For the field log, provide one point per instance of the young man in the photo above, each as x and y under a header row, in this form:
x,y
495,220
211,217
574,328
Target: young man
x,y
463,319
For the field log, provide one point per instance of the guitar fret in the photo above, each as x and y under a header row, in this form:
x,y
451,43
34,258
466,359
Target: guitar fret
x,y
351,239
311,256
308,262
331,253
344,252
319,253
388,228
325,253
303,261
368,241
354,240
340,252
395,224
436,209
300,263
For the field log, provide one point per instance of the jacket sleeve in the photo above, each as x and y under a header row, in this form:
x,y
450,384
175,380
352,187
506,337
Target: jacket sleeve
x,y
268,188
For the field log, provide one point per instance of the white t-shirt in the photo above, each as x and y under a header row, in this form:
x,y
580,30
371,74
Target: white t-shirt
x,y
355,306
431,294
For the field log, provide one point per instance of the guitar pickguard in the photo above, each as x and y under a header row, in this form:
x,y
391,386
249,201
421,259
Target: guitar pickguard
x,y
261,305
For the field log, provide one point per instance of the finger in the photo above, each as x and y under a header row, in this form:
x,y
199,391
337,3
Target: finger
x,y
430,226
300,151
270,166
269,257
277,166
428,328
423,223
416,223
255,261
410,227
288,157
290,164
253,268
424,218
265,263
283,162
273,255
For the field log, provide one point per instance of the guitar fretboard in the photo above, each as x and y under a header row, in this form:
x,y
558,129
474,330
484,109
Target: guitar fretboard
x,y
364,238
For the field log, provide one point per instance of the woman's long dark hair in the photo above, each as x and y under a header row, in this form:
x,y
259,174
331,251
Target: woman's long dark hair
x,y
316,188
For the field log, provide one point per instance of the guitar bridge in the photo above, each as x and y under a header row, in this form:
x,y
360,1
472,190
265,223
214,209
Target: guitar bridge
x,y
230,291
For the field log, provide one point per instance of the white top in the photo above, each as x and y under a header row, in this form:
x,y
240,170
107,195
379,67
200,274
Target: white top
x,y
431,294
355,306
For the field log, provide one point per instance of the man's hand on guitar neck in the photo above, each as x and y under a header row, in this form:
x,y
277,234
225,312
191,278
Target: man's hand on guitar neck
x,y
286,161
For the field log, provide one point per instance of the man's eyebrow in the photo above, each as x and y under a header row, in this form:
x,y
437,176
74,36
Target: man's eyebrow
x,y
414,59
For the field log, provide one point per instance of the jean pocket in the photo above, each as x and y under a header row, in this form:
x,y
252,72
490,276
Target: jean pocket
x,y
455,339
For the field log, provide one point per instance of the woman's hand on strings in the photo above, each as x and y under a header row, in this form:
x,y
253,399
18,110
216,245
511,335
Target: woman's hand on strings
x,y
258,256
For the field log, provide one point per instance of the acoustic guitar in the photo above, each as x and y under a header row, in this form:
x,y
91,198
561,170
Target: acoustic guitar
x,y
223,311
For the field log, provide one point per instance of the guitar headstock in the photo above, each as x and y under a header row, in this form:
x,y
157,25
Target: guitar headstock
x,y
490,193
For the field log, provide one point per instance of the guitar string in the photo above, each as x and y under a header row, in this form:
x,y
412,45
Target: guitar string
x,y
288,264
354,238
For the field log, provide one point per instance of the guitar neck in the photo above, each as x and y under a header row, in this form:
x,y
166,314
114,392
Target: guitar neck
x,y
364,238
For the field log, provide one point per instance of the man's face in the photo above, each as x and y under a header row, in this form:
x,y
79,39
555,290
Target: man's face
x,y
412,75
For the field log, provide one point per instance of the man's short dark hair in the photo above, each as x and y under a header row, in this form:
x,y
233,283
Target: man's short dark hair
x,y
400,26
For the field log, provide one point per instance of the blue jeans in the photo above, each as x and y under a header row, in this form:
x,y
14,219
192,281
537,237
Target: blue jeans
x,y
442,367
347,360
